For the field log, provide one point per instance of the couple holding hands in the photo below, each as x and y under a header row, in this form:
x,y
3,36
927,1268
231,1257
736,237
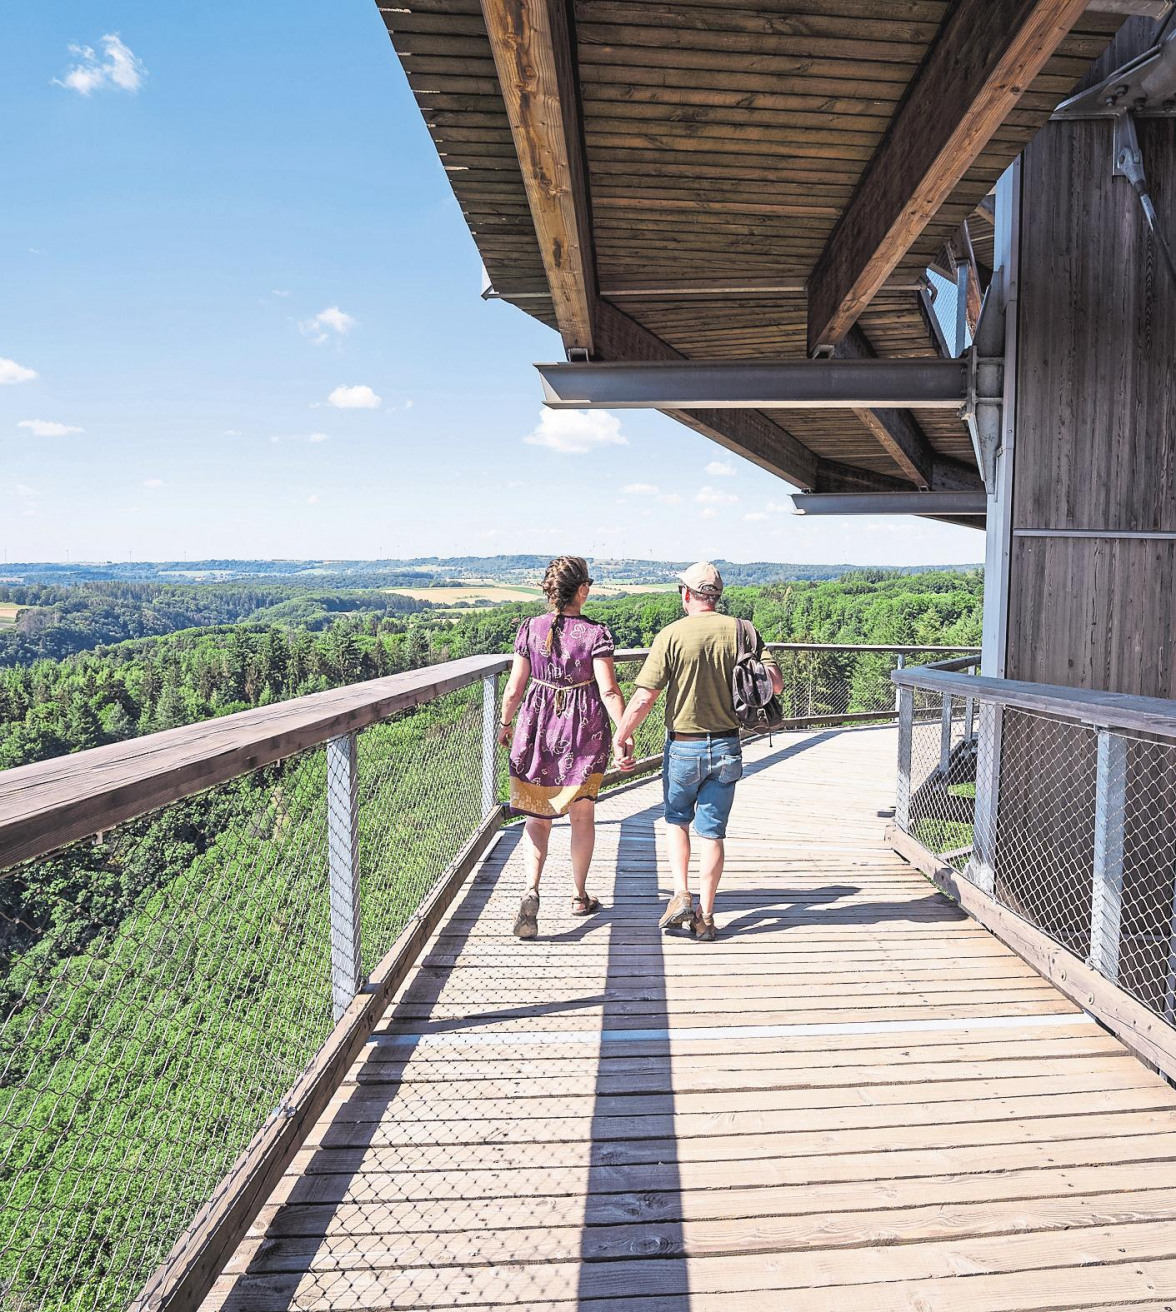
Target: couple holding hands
x,y
563,688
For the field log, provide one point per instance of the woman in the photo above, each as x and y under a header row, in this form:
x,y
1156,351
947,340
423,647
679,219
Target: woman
x,y
563,675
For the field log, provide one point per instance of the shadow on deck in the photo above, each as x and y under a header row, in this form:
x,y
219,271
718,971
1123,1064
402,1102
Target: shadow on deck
x,y
855,1099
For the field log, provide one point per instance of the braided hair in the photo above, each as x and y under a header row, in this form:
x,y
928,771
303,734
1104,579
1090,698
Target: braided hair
x,y
564,577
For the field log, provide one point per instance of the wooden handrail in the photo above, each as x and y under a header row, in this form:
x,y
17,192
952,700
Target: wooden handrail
x,y
1103,710
48,804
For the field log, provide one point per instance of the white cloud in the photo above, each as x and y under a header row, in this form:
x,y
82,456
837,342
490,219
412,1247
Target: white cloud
x,y
330,320
640,489
780,508
721,469
711,496
117,66
359,397
312,500
23,490
318,437
11,372
575,432
232,432
755,515
709,513
670,499
48,428
277,292
154,483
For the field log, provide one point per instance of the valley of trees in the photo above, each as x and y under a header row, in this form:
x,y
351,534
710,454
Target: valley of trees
x,y
141,976
57,621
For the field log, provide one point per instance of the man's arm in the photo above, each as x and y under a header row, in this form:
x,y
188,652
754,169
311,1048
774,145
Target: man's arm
x,y
640,704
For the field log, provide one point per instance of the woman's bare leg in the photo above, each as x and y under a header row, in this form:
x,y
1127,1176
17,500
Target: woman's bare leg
x,y
536,834
582,815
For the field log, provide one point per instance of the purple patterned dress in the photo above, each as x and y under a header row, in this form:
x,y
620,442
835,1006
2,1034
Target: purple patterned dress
x,y
562,738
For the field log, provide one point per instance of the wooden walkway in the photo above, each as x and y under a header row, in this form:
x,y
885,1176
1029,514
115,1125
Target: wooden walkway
x,y
856,1100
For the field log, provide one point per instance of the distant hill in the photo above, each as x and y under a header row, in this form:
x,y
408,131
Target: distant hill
x,y
419,571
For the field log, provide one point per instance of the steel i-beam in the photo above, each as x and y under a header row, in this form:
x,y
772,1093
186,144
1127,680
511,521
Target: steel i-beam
x,y
757,385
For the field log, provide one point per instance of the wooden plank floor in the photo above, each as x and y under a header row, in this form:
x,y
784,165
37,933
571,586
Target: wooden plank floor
x,y
855,1099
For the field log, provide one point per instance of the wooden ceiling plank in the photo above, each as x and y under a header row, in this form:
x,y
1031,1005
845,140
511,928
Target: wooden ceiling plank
x,y
533,56
985,56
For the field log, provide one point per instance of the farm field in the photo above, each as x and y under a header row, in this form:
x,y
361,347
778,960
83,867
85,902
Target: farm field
x,y
503,592
8,612
472,592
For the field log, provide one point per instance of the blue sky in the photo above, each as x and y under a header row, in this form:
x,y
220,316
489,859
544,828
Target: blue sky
x,y
250,303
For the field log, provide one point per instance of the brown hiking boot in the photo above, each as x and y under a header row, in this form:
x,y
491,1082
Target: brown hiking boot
x,y
703,927
678,913
527,921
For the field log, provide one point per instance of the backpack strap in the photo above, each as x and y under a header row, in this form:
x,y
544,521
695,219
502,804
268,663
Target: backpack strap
x,y
745,638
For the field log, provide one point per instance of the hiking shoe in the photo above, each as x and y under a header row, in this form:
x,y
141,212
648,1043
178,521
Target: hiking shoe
x,y
703,927
678,913
527,921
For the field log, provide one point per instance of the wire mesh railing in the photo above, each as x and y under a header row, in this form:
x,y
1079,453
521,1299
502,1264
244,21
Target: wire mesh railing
x,y
180,972
168,985
1059,805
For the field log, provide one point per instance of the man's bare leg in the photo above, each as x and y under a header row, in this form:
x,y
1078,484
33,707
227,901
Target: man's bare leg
x,y
678,844
711,858
680,908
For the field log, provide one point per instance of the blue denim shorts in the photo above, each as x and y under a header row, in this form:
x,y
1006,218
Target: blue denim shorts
x,y
698,783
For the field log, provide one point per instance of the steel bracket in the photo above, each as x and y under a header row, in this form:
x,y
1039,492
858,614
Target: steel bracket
x,y
1145,86
983,411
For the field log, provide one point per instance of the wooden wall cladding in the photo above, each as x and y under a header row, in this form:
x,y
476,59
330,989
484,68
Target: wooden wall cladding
x,y
1096,418
1094,613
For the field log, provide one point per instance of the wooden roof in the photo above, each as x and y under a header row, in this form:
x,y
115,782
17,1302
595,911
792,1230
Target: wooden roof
x,y
696,153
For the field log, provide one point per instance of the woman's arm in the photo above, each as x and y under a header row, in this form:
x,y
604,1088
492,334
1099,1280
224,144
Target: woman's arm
x,y
516,685
605,672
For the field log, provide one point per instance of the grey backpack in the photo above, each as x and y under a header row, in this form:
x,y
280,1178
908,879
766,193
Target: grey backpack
x,y
756,705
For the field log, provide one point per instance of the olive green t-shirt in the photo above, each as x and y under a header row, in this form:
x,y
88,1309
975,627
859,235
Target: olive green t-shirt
x,y
692,659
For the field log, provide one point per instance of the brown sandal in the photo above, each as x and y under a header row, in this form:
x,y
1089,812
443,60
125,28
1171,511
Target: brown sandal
x,y
527,921
588,905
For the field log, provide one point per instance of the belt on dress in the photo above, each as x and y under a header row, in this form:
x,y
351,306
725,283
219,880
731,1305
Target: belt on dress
x,y
560,689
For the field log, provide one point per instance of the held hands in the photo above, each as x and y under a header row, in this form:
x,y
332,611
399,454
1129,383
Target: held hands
x,y
623,757
505,732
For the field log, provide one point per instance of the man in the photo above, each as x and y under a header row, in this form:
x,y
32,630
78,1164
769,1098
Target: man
x,y
692,660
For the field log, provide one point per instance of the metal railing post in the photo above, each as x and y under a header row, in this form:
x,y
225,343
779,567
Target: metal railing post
x,y
970,713
982,867
945,736
900,664
343,863
906,737
489,742
1110,807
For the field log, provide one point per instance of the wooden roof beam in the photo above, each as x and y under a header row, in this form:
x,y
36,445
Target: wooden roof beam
x,y
746,433
895,430
984,57
532,46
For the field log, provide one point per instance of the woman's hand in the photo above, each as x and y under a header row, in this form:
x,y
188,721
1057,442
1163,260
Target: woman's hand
x,y
505,732
623,757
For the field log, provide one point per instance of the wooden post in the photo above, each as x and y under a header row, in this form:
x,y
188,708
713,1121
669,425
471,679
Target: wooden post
x,y
906,736
1110,798
489,742
343,869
